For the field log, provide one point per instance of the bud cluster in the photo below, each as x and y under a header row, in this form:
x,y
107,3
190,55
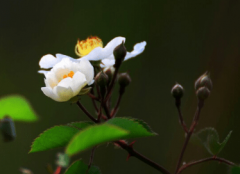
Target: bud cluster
x,y
203,86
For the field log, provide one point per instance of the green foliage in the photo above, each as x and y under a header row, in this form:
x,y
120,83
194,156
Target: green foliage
x,y
114,129
210,140
137,128
18,108
93,136
235,170
57,136
81,168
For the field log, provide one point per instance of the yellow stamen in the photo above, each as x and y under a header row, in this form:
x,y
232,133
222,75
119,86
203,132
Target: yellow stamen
x,y
70,74
84,47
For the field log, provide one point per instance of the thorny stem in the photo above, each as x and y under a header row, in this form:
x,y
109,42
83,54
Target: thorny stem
x,y
178,104
222,160
86,112
114,111
109,92
194,123
91,158
142,158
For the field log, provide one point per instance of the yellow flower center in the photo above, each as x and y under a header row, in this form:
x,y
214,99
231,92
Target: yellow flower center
x,y
84,47
70,74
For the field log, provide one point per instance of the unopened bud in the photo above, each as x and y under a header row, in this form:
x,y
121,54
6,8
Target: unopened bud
x,y
119,53
203,93
8,129
204,80
124,79
109,72
177,91
101,79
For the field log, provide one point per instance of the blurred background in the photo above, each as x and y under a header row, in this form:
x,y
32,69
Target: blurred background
x,y
184,39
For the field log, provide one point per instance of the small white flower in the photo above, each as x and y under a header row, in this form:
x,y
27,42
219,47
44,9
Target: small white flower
x,y
92,49
66,79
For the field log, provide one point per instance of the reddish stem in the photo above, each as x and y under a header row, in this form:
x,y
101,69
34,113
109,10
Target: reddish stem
x,y
214,158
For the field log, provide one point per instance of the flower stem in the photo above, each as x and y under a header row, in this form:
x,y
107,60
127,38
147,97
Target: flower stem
x,y
109,92
178,104
86,112
142,158
114,111
189,134
222,160
91,159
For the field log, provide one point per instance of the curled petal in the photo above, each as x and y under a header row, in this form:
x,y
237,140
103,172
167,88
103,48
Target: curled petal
x,y
64,94
49,92
137,49
86,68
78,82
102,53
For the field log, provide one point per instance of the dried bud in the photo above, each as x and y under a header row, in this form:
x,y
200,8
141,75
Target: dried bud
x,y
109,72
177,91
124,79
203,93
101,79
8,129
119,53
204,80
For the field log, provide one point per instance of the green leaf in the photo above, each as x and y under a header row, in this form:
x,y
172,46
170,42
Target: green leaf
x,y
58,136
114,129
235,170
137,128
93,136
81,168
81,125
18,108
210,139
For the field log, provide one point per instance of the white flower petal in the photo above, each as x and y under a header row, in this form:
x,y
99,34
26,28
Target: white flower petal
x,y
64,94
48,61
67,82
49,92
137,49
107,62
87,69
102,53
78,82
43,72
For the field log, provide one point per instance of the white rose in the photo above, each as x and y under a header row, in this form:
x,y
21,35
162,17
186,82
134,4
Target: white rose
x,y
66,79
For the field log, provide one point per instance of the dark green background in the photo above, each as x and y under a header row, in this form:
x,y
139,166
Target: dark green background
x,y
184,39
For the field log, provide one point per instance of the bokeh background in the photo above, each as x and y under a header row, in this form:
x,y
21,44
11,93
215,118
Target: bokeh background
x,y
184,39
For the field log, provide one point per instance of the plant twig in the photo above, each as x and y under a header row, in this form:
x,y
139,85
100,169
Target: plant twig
x,y
222,160
86,112
109,92
114,111
142,158
189,134
91,159
178,104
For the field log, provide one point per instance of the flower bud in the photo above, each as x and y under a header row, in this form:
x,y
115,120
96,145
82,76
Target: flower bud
x,y
204,80
101,79
119,53
124,79
8,129
109,72
177,91
203,93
